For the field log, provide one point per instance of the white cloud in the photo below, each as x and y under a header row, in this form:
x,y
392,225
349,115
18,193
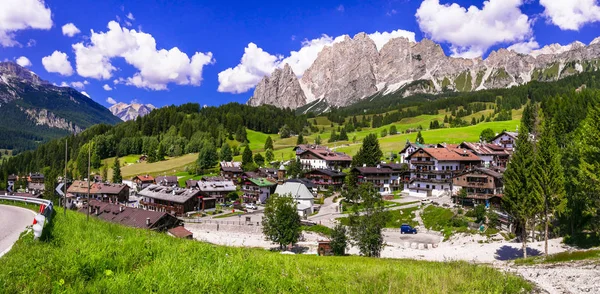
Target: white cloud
x,y
471,32
130,16
525,47
64,84
70,30
106,87
31,43
391,12
78,85
340,8
110,100
58,62
23,61
157,68
16,15
85,93
571,14
381,39
257,63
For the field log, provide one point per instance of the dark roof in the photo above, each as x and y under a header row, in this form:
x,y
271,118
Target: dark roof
x,y
329,172
510,134
485,149
129,216
373,170
308,183
12,177
180,232
178,195
329,155
394,166
191,183
231,166
483,170
36,176
81,187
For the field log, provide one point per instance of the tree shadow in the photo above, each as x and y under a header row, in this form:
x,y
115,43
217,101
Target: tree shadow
x,y
510,253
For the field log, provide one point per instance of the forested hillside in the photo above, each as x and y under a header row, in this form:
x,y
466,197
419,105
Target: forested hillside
x,y
169,131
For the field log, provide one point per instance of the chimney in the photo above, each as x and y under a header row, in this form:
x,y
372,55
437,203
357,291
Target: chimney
x,y
148,221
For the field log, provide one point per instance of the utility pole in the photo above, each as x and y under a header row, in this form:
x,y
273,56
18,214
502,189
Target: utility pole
x,y
88,180
65,179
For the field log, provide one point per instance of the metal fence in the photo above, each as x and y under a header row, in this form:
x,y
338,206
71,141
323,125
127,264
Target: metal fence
x,y
48,205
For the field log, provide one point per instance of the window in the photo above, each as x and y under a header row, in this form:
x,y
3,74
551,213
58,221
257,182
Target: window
x,y
433,187
427,186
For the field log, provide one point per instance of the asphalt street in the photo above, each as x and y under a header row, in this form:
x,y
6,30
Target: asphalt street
x,y
13,221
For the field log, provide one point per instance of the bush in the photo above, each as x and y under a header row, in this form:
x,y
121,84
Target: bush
x,y
460,211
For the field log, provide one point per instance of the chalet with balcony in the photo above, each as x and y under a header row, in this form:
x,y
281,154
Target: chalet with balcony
x,y
257,190
483,186
167,181
432,169
218,189
176,201
142,181
409,148
103,192
231,170
320,157
491,155
386,178
35,183
325,178
506,140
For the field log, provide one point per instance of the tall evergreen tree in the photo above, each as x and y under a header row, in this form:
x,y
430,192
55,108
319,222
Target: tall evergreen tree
x,y
343,136
116,176
548,177
160,153
226,152
318,140
339,240
589,178
300,139
419,138
369,153
269,156
521,200
247,156
259,159
207,157
105,173
269,143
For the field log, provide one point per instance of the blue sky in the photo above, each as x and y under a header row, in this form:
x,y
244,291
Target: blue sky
x,y
204,39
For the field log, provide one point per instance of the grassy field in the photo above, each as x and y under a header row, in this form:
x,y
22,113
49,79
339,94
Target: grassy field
x,y
395,218
97,257
443,220
562,257
170,166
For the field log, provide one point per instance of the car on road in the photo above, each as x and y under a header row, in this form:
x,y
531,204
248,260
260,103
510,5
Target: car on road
x,y
251,206
407,229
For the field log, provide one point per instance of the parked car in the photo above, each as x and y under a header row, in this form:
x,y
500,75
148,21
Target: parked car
x,y
426,201
406,229
251,206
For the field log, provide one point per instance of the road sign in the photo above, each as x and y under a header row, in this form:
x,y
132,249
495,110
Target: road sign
x,y
59,190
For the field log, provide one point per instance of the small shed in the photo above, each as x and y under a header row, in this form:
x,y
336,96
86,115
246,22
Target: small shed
x,y
324,248
181,232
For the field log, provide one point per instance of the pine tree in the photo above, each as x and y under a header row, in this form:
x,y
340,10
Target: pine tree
x,y
160,154
116,176
393,130
207,157
247,156
269,143
259,159
339,240
588,180
269,156
520,200
300,139
226,152
318,140
343,136
548,177
419,138
104,173
369,153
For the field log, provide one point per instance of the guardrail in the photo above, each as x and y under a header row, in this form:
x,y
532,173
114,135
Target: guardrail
x,y
44,216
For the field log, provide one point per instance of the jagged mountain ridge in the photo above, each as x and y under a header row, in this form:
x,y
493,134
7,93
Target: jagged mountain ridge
x,y
33,110
130,111
348,71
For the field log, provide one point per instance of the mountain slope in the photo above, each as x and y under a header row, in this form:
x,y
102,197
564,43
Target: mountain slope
x,y
130,111
349,71
34,111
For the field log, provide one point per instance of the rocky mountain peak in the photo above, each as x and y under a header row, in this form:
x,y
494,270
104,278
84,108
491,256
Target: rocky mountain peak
x,y
11,70
130,111
282,89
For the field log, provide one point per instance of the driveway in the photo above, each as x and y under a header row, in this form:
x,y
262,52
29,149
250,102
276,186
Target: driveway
x,y
13,221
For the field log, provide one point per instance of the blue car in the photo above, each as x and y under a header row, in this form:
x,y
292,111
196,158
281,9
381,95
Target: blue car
x,y
406,229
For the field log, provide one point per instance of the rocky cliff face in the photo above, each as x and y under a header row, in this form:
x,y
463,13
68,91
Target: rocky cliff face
x,y
130,111
43,117
353,69
282,89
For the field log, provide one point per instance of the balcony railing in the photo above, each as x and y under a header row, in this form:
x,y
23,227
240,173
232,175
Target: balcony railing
x,y
422,162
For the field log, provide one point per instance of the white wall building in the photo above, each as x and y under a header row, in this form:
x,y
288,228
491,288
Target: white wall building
x,y
302,195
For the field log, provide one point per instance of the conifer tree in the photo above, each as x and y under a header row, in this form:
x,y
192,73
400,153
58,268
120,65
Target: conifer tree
x,y
116,176
269,143
419,138
300,139
521,201
589,179
369,153
318,140
247,156
548,177
269,156
226,152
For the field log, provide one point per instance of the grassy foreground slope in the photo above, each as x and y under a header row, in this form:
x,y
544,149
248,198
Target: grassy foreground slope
x,y
99,257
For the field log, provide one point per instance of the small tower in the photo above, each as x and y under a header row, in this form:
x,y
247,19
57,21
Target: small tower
x,y
281,174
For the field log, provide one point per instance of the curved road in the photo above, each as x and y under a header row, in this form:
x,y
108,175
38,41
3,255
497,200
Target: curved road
x,y
13,221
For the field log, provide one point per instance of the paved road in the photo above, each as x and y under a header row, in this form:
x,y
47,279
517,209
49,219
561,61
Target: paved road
x,y
13,221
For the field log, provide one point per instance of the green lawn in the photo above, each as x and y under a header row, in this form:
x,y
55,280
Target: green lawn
x,y
93,256
443,220
169,167
395,218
